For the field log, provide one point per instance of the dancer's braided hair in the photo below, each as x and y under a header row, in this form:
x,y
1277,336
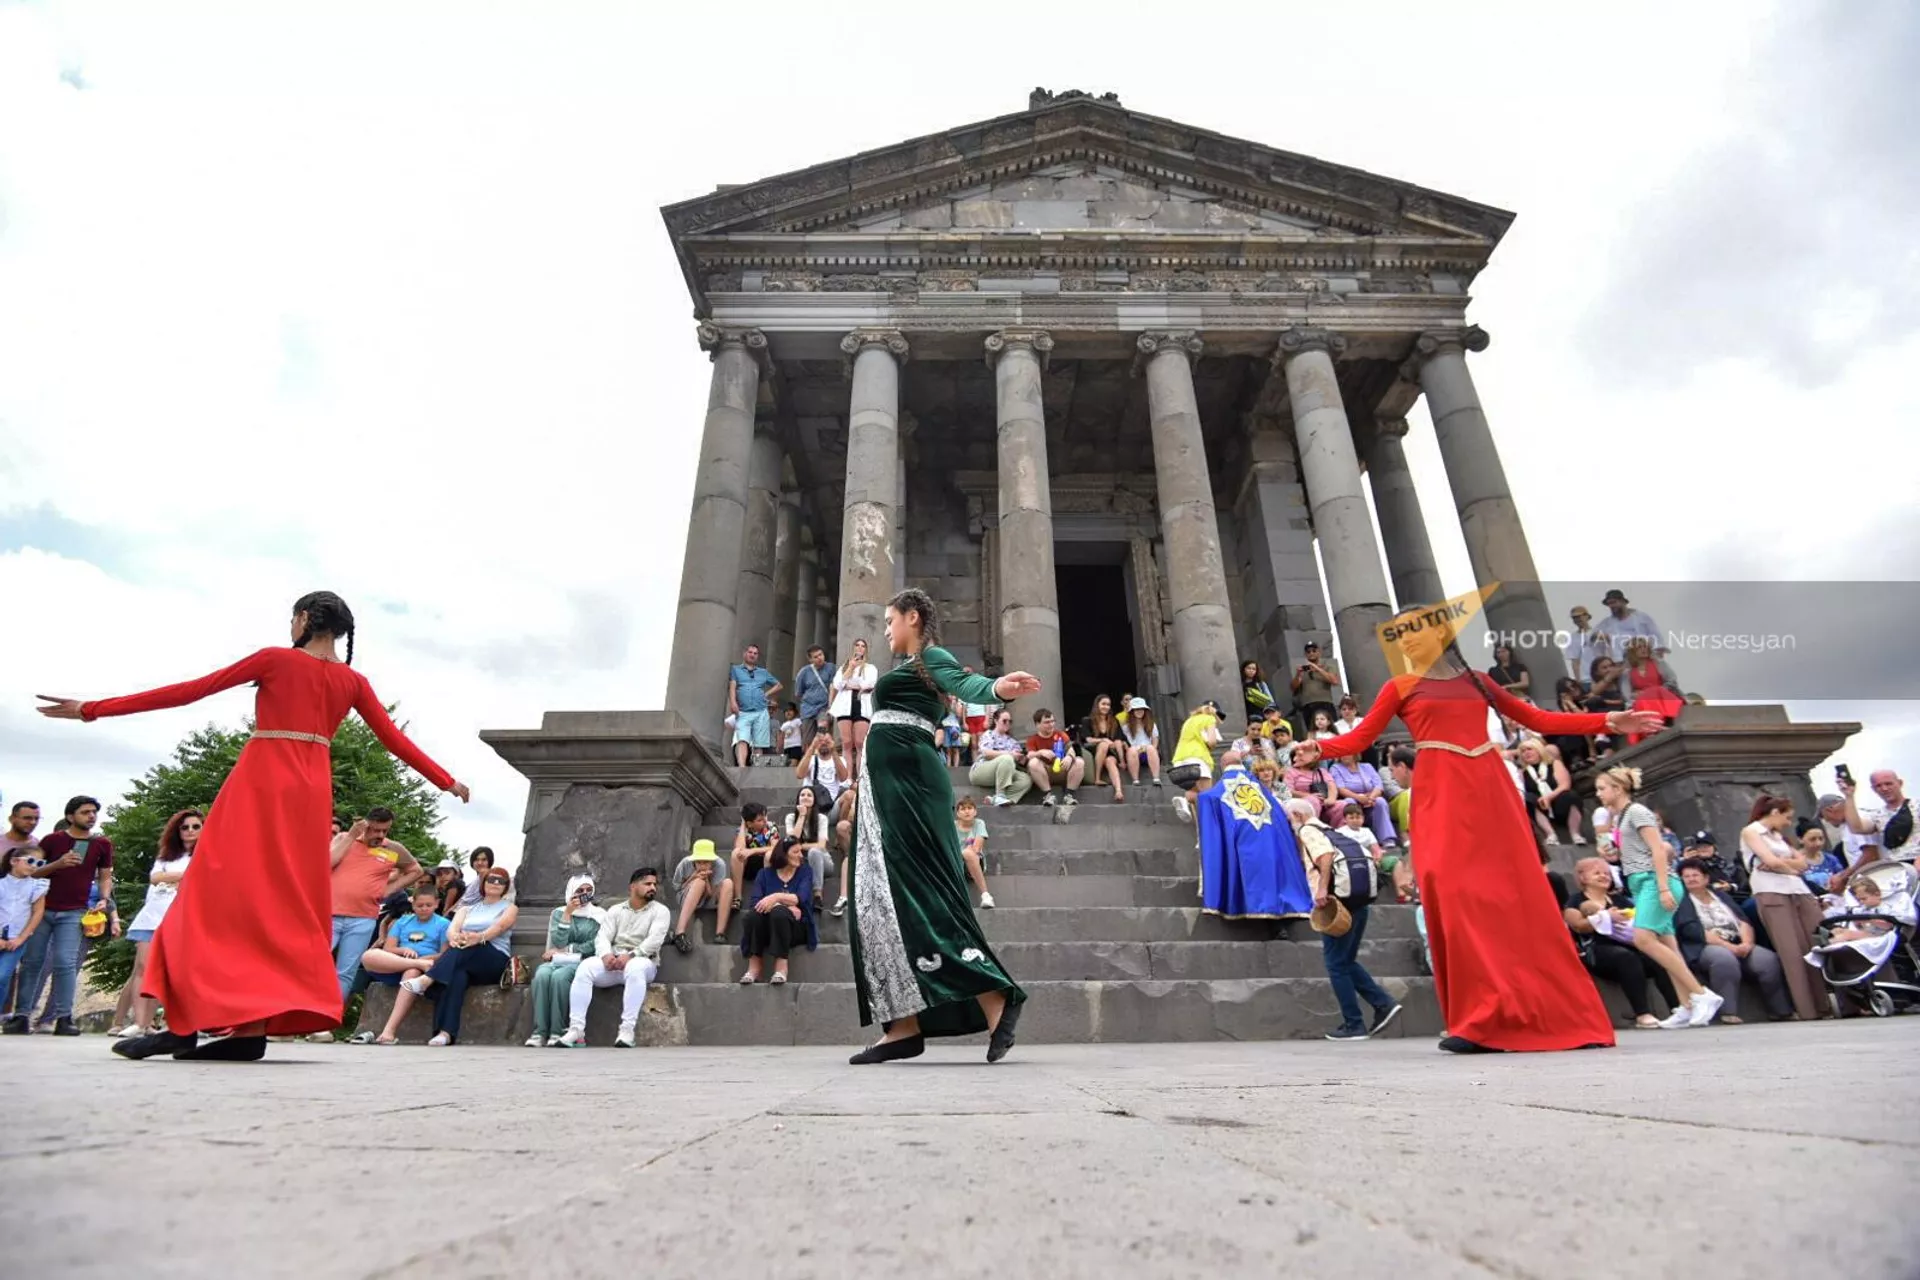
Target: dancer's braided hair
x,y
914,600
327,615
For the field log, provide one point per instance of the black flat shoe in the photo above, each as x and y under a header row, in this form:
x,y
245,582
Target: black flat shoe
x,y
226,1049
1457,1044
1000,1043
154,1043
888,1050
15,1025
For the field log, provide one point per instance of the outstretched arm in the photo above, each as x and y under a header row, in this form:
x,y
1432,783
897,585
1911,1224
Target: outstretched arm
x,y
173,695
1540,721
951,679
1361,736
397,742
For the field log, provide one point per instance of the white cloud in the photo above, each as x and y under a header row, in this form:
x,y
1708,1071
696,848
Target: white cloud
x,y
378,298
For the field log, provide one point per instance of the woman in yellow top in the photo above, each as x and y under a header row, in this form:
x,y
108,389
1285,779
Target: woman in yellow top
x,y
1192,769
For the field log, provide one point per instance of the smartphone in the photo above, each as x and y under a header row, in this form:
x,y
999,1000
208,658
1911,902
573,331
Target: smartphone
x,y
1843,773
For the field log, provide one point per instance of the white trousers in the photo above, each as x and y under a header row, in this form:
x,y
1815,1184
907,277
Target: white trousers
x,y
593,972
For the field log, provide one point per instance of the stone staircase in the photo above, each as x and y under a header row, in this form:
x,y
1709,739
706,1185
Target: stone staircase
x,y
1098,918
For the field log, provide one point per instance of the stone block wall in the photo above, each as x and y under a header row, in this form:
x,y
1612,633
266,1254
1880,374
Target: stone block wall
x,y
943,560
1282,601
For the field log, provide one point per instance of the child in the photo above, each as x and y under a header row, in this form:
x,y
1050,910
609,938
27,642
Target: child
x,y
22,903
791,732
952,736
1353,824
1192,770
973,844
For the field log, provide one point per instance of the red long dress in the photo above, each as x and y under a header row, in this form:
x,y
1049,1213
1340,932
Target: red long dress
x,y
250,935
1504,964
1650,693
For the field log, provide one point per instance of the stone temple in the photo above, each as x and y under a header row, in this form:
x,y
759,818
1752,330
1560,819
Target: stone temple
x,y
1105,386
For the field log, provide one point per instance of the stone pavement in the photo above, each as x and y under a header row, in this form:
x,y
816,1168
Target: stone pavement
x,y
1740,1152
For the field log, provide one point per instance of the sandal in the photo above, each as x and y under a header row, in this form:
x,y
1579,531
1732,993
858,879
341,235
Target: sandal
x,y
364,1037
778,980
1731,1020
385,1041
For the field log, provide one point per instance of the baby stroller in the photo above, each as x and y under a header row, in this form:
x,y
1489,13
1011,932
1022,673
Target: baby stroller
x,y
1883,979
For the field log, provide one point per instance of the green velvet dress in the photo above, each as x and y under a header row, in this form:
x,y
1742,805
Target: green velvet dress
x,y
917,948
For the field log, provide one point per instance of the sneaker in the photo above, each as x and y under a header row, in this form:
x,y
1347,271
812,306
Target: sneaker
x,y
1681,1017
1705,1007
16,1025
1070,798
1382,1018
986,902
1349,1033
997,801
441,1041
1183,807
1158,783
536,1041
625,1039
416,985
574,1038
682,944
839,907
65,1027
1051,799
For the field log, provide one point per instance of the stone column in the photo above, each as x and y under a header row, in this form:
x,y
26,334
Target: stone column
x,y
786,583
1416,576
1496,542
705,620
754,610
1028,595
867,548
806,611
827,620
900,524
1202,621
1356,584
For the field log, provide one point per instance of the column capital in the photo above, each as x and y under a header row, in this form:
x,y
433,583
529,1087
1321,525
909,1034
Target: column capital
x,y
1396,428
1444,341
1038,341
1300,340
860,339
1154,341
714,339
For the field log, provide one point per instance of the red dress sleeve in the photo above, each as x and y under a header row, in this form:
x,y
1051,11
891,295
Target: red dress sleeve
x,y
1543,721
179,695
392,739
1361,736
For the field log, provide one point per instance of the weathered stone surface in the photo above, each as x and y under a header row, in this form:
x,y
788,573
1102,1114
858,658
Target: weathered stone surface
x,y
504,1015
867,578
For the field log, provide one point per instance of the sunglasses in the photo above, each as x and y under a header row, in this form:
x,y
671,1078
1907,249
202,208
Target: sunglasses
x,y
496,879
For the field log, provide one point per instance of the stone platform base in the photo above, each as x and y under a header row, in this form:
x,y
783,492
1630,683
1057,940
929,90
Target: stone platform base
x,y
504,1015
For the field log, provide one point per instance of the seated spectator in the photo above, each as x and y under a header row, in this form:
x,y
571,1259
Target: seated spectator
x,y
1348,717
1100,734
625,955
1320,724
977,717
1192,769
22,905
751,842
806,827
820,765
449,886
1279,743
1718,943
1575,749
1604,695
1255,692
478,950
1356,783
842,820
1266,771
1649,684
1508,673
973,845
1399,778
793,733
480,861
572,932
1723,875
1308,779
1600,917
1822,864
1143,741
1051,757
999,763
779,915
412,945
699,879
1548,788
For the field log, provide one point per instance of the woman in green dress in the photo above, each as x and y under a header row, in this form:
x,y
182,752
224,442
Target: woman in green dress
x,y
921,966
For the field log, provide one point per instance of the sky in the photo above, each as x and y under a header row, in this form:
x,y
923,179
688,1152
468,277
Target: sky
x,y
377,298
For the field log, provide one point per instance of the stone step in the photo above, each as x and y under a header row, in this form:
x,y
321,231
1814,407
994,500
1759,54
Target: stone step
x,y
1118,924
1050,837
1059,1012
1029,812
1078,961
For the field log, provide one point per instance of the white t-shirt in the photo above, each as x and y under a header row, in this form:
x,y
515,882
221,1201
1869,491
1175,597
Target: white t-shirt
x,y
790,732
17,896
823,772
1759,879
816,836
1618,631
1880,818
160,896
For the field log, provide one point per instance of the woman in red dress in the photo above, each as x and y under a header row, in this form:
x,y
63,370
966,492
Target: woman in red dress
x,y
1504,966
1650,684
228,959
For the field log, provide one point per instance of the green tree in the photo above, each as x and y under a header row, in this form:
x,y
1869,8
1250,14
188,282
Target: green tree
x,y
364,776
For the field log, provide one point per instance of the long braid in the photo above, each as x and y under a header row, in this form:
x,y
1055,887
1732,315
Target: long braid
x,y
914,600
327,615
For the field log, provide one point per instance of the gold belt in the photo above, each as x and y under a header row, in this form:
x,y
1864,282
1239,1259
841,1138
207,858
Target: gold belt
x,y
293,735
1457,749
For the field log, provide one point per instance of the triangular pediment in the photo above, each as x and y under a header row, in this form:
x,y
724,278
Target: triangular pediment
x,y
1081,163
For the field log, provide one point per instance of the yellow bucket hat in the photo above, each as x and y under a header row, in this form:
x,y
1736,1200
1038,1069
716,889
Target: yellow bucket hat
x,y
703,851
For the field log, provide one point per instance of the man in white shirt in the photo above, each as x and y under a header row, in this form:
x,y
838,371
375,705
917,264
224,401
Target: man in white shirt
x,y
1887,832
1623,624
820,765
1584,644
627,953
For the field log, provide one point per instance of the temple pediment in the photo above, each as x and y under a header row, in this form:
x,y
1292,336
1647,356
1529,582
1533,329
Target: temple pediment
x,y
1076,169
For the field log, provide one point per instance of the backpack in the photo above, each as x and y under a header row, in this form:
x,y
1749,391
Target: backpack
x,y
1361,872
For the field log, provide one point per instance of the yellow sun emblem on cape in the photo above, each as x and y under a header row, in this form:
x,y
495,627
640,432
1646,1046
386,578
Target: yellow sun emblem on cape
x,y
1249,803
